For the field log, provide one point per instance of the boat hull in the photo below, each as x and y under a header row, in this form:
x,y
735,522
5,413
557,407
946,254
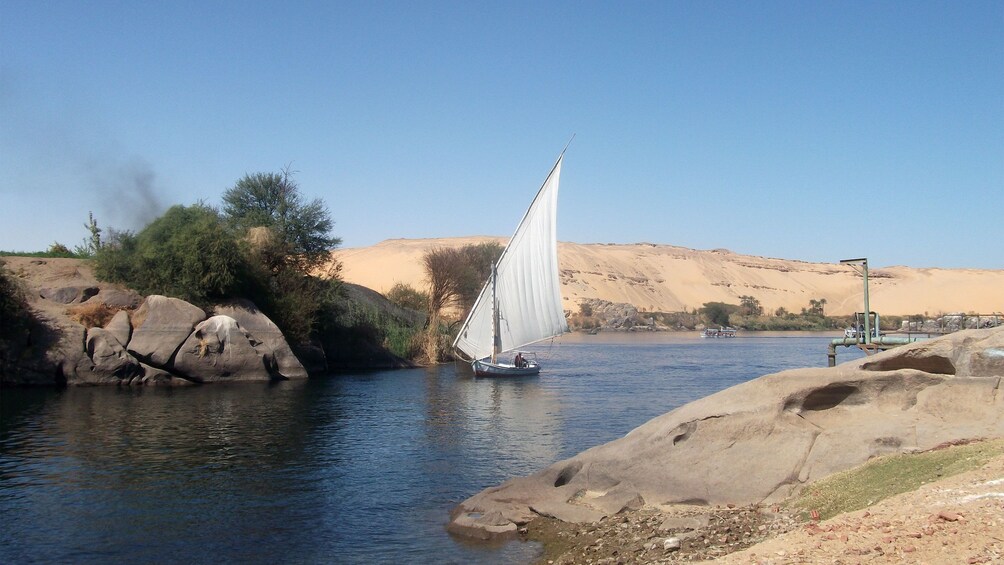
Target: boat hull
x,y
487,369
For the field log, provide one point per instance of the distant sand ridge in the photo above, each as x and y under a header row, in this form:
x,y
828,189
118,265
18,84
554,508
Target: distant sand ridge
x,y
666,278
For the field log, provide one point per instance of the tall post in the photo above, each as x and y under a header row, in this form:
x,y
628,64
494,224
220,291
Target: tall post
x,y
496,338
868,312
864,273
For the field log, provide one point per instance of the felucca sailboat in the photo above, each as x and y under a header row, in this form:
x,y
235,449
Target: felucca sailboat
x,y
520,303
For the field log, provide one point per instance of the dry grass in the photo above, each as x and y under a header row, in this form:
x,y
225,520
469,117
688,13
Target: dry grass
x,y
92,315
885,477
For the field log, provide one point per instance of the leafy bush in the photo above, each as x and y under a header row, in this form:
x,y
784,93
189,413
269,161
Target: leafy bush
x,y
366,325
301,305
717,313
188,253
56,251
14,312
405,296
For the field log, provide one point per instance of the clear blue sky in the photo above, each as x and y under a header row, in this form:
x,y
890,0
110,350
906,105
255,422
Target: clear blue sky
x,y
802,130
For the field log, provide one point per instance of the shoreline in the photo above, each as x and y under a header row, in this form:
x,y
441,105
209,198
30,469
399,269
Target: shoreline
x,y
894,526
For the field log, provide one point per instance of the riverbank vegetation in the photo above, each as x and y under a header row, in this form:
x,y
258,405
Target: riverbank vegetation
x,y
456,276
266,243
597,315
14,312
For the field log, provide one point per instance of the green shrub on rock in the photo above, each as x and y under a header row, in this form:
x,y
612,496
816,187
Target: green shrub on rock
x,y
14,313
187,253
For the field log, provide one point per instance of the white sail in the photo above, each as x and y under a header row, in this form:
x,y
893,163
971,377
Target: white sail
x,y
527,287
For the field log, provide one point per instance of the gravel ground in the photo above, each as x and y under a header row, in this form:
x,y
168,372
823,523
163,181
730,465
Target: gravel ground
x,y
959,519
650,535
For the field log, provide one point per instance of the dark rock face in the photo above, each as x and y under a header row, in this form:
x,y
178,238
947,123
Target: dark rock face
x,y
116,298
68,294
109,359
762,440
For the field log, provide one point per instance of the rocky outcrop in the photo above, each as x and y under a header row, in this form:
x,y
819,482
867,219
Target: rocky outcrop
x,y
163,342
218,350
166,342
279,356
120,326
764,439
161,325
68,294
109,360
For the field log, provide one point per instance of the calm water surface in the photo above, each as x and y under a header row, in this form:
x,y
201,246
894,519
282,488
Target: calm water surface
x,y
346,469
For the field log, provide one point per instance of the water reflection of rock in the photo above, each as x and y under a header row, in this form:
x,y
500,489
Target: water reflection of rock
x,y
191,432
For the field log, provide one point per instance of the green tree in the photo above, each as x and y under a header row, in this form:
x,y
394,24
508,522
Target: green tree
x,y
406,296
287,242
477,260
91,244
816,307
717,313
455,277
749,306
273,200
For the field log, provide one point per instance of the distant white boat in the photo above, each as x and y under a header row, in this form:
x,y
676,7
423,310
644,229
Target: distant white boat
x,y
520,303
719,332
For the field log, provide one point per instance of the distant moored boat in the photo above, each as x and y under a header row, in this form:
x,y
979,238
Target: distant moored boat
x,y
719,332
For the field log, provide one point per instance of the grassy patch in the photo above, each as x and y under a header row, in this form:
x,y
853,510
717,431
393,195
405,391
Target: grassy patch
x,y
888,476
44,254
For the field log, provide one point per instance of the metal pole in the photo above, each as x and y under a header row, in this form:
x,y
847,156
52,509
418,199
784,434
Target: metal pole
x,y
868,312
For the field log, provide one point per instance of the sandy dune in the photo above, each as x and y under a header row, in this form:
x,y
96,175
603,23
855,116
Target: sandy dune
x,y
666,278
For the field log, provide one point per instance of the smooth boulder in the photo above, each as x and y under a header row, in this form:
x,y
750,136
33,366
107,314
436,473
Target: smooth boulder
x,y
765,439
120,327
278,355
220,350
160,326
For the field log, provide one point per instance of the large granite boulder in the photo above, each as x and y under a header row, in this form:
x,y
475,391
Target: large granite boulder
x,y
220,350
118,298
160,326
68,294
107,361
120,327
278,355
763,440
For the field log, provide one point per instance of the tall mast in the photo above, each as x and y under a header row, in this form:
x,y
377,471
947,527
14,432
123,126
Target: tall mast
x,y
496,338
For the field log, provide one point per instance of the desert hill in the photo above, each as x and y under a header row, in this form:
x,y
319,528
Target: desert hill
x,y
667,278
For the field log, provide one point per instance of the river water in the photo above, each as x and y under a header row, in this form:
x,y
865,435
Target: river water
x,y
346,469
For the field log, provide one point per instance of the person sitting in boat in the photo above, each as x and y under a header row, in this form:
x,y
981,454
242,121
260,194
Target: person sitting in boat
x,y
518,362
